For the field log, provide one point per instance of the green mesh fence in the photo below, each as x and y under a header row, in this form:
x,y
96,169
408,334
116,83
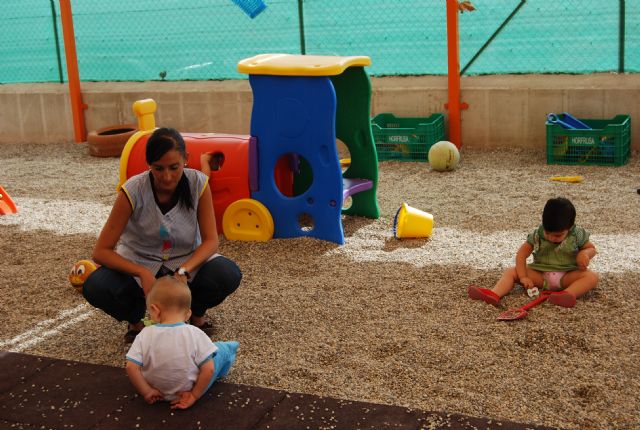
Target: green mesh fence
x,y
28,42
547,36
141,40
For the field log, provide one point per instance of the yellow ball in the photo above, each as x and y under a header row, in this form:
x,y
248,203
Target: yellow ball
x,y
80,272
444,156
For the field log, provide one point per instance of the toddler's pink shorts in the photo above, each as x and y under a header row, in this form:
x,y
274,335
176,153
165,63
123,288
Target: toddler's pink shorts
x,y
553,280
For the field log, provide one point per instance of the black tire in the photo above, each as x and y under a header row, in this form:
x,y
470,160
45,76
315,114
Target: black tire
x,y
109,141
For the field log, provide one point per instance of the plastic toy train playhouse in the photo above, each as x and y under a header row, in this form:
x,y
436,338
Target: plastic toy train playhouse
x,y
285,179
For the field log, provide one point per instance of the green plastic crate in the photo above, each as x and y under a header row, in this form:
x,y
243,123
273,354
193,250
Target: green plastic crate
x,y
404,138
608,143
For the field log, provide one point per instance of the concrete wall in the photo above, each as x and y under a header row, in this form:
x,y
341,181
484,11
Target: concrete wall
x,y
504,111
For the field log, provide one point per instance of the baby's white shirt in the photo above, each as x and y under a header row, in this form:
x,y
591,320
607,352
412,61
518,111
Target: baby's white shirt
x,y
171,355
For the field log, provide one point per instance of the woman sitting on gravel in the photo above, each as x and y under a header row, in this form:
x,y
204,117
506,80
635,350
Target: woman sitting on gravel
x,y
162,222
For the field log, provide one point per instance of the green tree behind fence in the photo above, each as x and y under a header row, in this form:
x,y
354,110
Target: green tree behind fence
x,y
142,40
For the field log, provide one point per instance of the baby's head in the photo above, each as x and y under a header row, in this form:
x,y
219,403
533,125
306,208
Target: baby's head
x,y
169,296
558,216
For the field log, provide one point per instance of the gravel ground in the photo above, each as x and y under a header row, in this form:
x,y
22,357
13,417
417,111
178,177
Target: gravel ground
x,y
377,319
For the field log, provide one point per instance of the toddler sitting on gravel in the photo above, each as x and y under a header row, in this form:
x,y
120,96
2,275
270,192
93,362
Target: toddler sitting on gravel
x,y
172,360
561,255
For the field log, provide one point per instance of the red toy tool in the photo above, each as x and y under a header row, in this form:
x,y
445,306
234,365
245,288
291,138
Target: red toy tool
x,y
7,206
521,312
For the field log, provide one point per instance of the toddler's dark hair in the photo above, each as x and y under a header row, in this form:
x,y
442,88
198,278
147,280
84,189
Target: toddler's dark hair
x,y
558,214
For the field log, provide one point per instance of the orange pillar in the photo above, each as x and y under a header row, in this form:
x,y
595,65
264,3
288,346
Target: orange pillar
x,y
453,49
75,95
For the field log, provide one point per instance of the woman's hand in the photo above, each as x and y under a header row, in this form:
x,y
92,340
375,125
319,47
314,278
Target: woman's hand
x,y
181,278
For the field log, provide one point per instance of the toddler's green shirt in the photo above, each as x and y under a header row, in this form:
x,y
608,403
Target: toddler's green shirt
x,y
552,257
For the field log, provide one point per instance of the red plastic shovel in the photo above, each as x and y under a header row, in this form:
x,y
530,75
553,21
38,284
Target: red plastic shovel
x,y
7,206
521,312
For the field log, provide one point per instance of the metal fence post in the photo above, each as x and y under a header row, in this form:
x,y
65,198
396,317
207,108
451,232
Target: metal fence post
x,y
57,40
303,47
621,40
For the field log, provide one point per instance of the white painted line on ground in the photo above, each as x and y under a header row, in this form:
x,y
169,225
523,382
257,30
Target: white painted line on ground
x,y
61,217
47,328
452,246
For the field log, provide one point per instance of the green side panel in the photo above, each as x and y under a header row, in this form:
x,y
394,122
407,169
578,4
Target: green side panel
x,y
353,128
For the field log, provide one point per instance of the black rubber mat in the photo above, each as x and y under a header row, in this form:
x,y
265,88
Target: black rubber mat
x,y
46,393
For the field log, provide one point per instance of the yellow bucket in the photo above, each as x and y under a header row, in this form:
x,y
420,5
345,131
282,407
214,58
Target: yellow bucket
x,y
411,222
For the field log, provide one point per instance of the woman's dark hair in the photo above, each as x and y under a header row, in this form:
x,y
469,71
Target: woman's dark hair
x,y
559,214
162,141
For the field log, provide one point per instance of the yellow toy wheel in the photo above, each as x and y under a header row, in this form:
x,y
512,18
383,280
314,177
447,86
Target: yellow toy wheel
x,y
247,219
